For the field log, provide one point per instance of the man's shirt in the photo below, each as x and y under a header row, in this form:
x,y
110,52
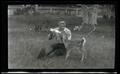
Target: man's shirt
x,y
65,32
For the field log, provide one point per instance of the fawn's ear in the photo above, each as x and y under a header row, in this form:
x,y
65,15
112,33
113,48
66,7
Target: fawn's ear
x,y
50,35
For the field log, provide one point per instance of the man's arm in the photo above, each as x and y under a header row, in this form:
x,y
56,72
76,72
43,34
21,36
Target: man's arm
x,y
55,30
68,32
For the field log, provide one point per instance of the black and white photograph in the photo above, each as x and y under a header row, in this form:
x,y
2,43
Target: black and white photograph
x,y
61,36
59,73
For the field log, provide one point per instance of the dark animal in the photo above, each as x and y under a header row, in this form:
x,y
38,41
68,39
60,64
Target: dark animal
x,y
58,48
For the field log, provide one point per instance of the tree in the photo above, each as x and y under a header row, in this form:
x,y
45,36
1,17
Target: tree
x,y
89,16
109,11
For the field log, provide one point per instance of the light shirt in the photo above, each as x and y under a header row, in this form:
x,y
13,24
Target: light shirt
x,y
66,32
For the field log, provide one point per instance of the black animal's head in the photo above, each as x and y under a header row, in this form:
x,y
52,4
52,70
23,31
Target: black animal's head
x,y
56,36
51,35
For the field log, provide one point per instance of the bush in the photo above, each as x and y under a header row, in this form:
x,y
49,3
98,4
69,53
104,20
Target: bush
x,y
43,21
18,11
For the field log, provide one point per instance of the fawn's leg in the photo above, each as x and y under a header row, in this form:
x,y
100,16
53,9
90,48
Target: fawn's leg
x,y
82,53
67,54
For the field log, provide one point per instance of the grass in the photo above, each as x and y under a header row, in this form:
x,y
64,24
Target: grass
x,y
24,45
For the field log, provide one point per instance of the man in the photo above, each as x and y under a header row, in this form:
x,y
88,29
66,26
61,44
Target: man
x,y
63,34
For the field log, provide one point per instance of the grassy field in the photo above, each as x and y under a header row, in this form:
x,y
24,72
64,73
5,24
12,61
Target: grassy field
x,y
24,44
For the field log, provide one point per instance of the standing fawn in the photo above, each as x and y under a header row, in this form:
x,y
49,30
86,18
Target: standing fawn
x,y
76,45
